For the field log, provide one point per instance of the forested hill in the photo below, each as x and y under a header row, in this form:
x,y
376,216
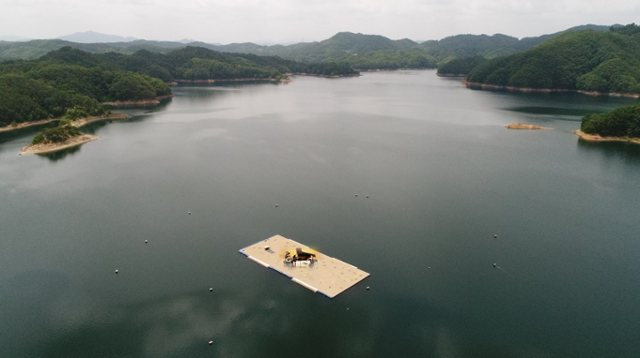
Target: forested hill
x,y
70,78
586,60
463,46
197,63
359,50
460,67
315,52
42,89
621,122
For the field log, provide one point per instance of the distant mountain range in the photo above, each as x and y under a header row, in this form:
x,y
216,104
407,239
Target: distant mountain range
x,y
14,38
361,51
95,37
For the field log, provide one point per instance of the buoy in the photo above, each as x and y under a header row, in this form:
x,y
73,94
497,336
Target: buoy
x,y
210,289
367,196
276,205
495,236
210,343
347,308
367,288
356,195
116,271
494,264
429,267
145,241
189,212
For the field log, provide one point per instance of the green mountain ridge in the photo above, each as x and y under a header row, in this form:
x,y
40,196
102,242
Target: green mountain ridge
x,y
605,62
360,50
72,79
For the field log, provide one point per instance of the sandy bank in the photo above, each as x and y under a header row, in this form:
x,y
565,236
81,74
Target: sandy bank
x,y
524,126
113,116
235,80
611,94
395,69
139,103
27,124
477,85
323,76
77,123
53,147
597,138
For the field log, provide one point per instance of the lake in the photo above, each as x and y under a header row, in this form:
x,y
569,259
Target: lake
x,y
443,177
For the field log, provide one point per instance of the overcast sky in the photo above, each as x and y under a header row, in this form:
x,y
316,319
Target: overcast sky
x,y
309,20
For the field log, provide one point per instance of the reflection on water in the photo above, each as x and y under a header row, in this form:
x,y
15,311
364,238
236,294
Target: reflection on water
x,y
92,127
443,175
553,111
61,154
25,132
241,323
157,108
629,152
149,106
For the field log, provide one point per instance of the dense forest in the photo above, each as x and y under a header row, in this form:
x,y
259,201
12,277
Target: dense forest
x,y
359,50
460,66
62,132
388,60
585,60
68,77
621,122
197,63
32,91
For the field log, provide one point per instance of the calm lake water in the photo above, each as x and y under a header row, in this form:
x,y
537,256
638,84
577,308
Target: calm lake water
x,y
443,176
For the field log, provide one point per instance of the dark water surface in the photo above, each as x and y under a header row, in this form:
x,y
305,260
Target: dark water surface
x,y
443,176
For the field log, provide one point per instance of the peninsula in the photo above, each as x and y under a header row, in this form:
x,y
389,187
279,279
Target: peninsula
x,y
620,125
50,147
78,122
66,134
598,138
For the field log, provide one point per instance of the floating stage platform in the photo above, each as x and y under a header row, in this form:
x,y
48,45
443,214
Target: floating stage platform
x,y
318,272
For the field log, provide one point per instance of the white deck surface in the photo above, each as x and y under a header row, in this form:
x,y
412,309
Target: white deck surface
x,y
329,276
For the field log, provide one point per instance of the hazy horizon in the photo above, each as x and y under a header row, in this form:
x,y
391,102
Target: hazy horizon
x,y
16,38
288,21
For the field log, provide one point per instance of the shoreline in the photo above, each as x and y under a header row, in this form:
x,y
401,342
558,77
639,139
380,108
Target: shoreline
x,y
325,76
86,120
287,80
27,124
396,69
450,74
233,80
142,102
546,90
77,123
598,138
42,148
524,126
54,147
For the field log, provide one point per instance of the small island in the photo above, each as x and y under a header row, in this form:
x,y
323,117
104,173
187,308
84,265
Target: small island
x,y
50,147
524,126
620,125
66,134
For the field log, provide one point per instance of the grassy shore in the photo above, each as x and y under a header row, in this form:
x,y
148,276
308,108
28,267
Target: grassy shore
x,y
77,123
